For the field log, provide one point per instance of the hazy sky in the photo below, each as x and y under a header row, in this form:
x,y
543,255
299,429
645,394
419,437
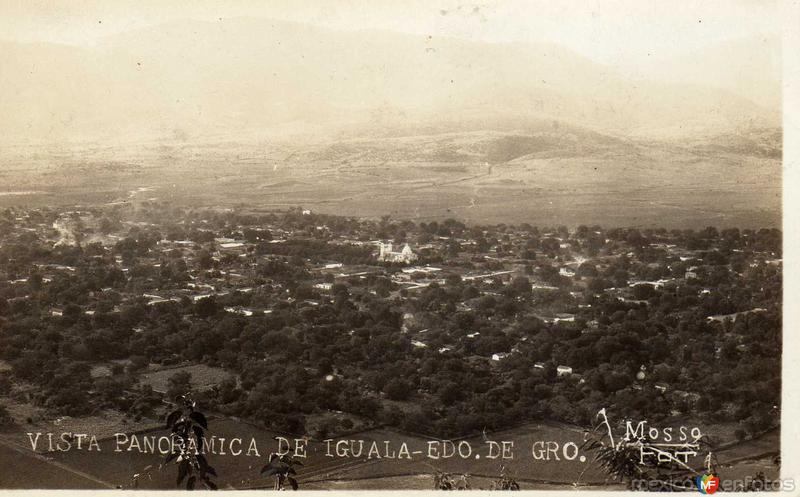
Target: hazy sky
x,y
618,32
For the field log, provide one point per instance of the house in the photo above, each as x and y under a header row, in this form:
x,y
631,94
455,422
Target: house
x,y
239,310
563,370
423,270
568,272
559,318
564,317
231,245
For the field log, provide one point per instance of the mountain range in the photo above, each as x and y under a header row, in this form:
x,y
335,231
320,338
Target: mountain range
x,y
247,79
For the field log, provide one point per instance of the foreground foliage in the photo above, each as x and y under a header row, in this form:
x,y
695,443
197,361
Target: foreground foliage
x,y
188,426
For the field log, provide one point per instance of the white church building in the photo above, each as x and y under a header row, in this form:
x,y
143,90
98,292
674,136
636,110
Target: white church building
x,y
388,254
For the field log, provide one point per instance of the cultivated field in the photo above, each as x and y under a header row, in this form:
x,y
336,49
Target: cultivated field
x,y
202,377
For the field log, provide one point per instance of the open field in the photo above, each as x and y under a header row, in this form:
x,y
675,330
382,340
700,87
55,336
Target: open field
x,y
202,376
480,177
102,425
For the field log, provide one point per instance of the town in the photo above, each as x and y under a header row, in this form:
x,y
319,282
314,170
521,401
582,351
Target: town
x,y
318,325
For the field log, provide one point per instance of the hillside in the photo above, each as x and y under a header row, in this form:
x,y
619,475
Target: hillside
x,y
191,80
547,172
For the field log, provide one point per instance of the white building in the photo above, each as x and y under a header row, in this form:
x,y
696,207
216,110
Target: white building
x,y
563,370
387,253
568,272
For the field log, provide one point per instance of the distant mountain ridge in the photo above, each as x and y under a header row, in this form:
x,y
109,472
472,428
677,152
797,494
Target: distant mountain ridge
x,y
248,78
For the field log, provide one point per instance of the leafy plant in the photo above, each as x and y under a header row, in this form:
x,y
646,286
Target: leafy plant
x,y
443,481
622,459
757,484
188,427
282,467
504,482
447,481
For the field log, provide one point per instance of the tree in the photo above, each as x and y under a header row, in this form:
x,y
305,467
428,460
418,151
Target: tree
x,y
283,469
644,292
453,279
597,285
452,248
71,314
204,260
521,286
587,270
188,426
206,307
450,393
398,389
138,363
179,383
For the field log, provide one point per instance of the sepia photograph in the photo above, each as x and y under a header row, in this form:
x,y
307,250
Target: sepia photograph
x,y
393,245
